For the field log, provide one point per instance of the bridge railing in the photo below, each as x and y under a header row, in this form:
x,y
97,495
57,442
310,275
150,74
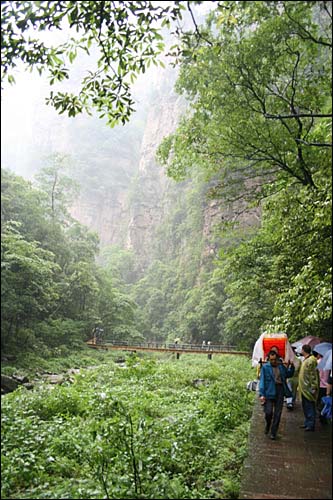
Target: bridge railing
x,y
173,346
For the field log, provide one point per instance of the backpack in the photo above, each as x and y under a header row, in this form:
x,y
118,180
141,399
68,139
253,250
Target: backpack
x,y
252,385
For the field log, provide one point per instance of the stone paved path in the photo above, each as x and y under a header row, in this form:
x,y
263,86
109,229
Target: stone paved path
x,y
297,465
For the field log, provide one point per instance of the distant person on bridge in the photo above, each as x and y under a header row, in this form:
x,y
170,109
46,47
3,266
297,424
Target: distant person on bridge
x,y
308,383
272,390
97,334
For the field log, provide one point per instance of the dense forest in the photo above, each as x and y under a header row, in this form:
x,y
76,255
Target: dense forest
x,y
256,136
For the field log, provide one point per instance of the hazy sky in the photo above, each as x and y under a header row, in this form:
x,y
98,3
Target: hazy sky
x,y
22,108
26,119
17,111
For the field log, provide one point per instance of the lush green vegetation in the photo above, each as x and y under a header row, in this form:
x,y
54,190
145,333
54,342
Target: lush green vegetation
x,y
123,37
52,291
257,137
258,77
145,430
178,296
31,364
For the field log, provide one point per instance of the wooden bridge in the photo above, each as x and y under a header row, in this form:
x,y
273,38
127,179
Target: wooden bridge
x,y
164,347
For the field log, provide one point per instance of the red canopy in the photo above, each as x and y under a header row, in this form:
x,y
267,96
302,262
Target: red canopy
x,y
279,342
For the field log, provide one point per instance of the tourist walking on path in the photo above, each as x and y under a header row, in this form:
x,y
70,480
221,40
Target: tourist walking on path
x,y
272,390
308,383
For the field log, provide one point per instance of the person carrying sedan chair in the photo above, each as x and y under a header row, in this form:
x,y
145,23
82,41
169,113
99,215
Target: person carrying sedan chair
x,y
273,389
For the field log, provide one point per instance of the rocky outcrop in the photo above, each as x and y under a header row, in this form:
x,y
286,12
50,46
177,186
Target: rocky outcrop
x,y
107,214
8,384
11,383
147,207
129,212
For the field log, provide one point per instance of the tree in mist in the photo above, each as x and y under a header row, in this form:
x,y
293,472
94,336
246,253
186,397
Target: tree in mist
x,y
52,289
260,128
59,188
125,35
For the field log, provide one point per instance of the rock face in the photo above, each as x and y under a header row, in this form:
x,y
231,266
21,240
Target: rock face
x,y
128,211
147,207
108,215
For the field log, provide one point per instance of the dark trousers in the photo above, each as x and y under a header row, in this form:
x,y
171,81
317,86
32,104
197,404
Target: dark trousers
x,y
273,409
309,410
320,404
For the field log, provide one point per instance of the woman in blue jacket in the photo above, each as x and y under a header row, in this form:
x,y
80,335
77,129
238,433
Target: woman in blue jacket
x,y
272,390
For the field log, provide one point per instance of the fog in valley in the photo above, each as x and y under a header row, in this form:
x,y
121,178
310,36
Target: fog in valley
x,y
32,130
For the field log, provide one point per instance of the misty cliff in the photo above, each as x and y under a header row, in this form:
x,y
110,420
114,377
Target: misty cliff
x,y
127,200
126,196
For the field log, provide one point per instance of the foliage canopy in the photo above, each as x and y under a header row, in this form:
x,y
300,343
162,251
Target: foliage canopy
x,y
123,37
259,127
